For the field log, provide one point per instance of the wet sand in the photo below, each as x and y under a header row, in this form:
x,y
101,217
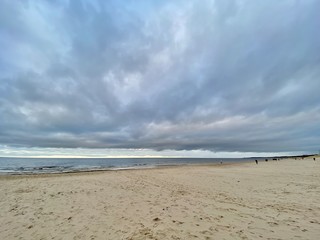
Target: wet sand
x,y
269,200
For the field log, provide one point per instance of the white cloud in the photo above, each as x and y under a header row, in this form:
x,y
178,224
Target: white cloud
x,y
227,76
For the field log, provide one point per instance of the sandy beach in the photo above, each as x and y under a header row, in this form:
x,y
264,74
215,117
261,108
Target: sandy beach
x,y
269,200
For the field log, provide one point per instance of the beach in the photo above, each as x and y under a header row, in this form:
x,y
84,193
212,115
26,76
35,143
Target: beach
x,y
268,200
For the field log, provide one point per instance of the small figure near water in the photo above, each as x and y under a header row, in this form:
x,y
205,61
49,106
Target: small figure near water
x,y
256,161
314,159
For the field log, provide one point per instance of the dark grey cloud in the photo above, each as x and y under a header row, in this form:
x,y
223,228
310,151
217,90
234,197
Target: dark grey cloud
x,y
182,75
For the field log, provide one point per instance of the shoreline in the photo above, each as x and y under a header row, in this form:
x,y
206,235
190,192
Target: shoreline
x,y
110,169
116,169
95,169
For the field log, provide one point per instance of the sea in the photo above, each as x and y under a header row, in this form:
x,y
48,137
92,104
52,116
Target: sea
x,y
18,166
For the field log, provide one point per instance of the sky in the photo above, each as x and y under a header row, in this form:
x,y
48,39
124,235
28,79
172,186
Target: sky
x,y
209,78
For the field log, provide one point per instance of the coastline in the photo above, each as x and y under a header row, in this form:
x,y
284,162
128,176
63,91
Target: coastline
x,y
39,166
44,170
106,170
275,199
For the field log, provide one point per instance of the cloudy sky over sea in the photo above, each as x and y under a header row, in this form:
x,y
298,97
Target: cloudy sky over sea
x,y
159,78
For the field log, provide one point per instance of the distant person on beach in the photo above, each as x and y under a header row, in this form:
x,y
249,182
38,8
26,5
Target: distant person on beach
x,y
256,161
314,159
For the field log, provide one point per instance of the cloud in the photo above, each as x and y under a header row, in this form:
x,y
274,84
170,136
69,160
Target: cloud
x,y
217,75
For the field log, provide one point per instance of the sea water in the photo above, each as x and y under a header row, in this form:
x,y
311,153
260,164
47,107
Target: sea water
x,y
59,165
